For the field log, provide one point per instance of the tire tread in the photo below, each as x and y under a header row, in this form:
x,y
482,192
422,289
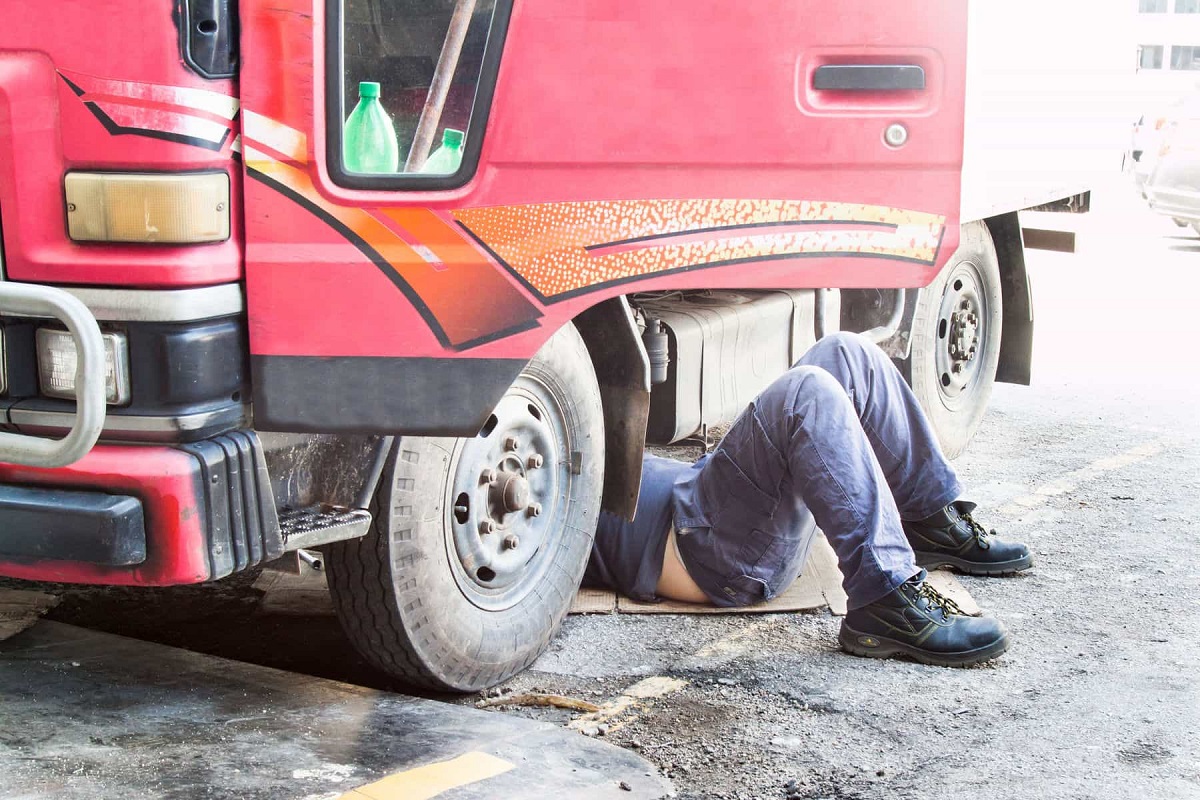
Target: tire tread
x,y
375,581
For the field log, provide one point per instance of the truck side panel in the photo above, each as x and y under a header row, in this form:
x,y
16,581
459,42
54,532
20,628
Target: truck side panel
x,y
628,147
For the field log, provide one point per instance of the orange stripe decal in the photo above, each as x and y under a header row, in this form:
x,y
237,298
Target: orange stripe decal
x,y
562,249
463,297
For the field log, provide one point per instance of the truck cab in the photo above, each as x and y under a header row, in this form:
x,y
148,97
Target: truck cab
x,y
226,343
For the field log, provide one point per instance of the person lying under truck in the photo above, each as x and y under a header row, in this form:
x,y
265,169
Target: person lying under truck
x,y
840,437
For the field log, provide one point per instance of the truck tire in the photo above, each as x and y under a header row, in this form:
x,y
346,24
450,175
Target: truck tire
x,y
956,341
478,545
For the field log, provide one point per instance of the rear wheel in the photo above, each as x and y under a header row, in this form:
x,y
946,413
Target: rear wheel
x,y
479,544
956,341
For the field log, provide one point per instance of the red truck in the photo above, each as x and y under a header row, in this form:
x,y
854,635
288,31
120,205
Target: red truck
x,y
222,347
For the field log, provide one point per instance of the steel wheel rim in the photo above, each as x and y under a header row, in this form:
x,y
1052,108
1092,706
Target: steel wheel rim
x,y
504,509
962,335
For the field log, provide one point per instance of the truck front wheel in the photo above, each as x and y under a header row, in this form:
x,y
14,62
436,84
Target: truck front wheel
x,y
956,341
479,544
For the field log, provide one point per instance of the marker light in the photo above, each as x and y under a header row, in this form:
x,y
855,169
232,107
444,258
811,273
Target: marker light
x,y
57,358
148,208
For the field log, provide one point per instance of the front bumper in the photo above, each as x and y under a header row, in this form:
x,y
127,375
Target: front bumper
x,y
88,527
206,510
87,419
1175,202
186,359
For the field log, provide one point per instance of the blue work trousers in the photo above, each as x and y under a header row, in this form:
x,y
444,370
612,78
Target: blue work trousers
x,y
839,435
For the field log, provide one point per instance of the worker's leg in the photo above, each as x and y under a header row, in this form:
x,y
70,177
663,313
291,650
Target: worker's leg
x,y
811,439
921,479
939,526
800,444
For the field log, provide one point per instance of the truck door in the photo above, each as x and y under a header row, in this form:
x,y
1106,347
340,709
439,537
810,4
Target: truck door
x,y
608,147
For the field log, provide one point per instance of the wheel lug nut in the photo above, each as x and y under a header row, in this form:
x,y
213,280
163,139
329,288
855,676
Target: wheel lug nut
x,y
486,527
488,476
535,509
511,541
534,461
511,443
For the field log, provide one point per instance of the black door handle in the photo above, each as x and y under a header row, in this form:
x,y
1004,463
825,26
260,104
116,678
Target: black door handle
x,y
869,77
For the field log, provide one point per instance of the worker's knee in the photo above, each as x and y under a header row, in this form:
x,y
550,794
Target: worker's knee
x,y
806,382
852,346
851,341
848,356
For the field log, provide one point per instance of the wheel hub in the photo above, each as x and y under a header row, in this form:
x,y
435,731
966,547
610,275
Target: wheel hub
x,y
509,493
964,336
961,333
504,479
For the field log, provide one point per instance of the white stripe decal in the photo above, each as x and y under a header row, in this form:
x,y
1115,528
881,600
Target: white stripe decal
x,y
210,102
280,138
153,119
255,158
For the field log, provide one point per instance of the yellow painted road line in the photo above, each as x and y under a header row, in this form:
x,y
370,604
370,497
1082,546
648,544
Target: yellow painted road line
x,y
1072,480
636,696
737,643
431,780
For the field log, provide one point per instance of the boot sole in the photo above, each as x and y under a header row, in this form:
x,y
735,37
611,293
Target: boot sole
x,y
994,569
853,642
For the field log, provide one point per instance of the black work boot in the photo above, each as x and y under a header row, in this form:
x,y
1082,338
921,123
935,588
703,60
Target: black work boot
x,y
952,538
915,621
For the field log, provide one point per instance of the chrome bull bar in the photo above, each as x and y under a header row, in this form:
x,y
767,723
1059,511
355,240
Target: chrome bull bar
x,y
31,300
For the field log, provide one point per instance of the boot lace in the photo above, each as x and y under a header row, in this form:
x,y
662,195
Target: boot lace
x,y
981,534
936,599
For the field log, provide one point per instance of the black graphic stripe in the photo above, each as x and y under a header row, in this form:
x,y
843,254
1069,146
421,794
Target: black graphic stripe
x,y
386,268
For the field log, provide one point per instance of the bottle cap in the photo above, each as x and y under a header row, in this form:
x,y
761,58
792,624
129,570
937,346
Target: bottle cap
x,y
452,138
368,89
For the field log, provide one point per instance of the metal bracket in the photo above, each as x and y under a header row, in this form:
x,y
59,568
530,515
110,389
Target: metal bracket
x,y
888,329
31,300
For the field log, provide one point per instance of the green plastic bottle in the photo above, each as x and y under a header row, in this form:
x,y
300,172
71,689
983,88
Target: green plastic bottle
x,y
447,158
369,138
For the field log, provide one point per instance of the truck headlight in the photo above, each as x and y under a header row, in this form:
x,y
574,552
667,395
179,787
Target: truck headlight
x,y
57,358
147,208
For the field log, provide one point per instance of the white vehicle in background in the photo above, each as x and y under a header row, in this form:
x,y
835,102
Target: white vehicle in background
x,y
1143,145
1173,188
1149,139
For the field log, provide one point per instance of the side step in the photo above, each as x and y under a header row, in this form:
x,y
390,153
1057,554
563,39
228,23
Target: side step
x,y
321,524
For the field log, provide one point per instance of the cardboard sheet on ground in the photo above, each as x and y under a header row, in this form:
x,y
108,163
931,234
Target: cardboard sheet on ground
x,y
819,586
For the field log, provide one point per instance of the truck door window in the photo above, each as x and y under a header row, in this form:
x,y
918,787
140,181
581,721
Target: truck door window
x,y
408,88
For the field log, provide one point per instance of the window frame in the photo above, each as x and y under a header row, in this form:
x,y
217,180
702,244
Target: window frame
x,y
1166,8
1157,49
1194,10
1195,58
335,111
